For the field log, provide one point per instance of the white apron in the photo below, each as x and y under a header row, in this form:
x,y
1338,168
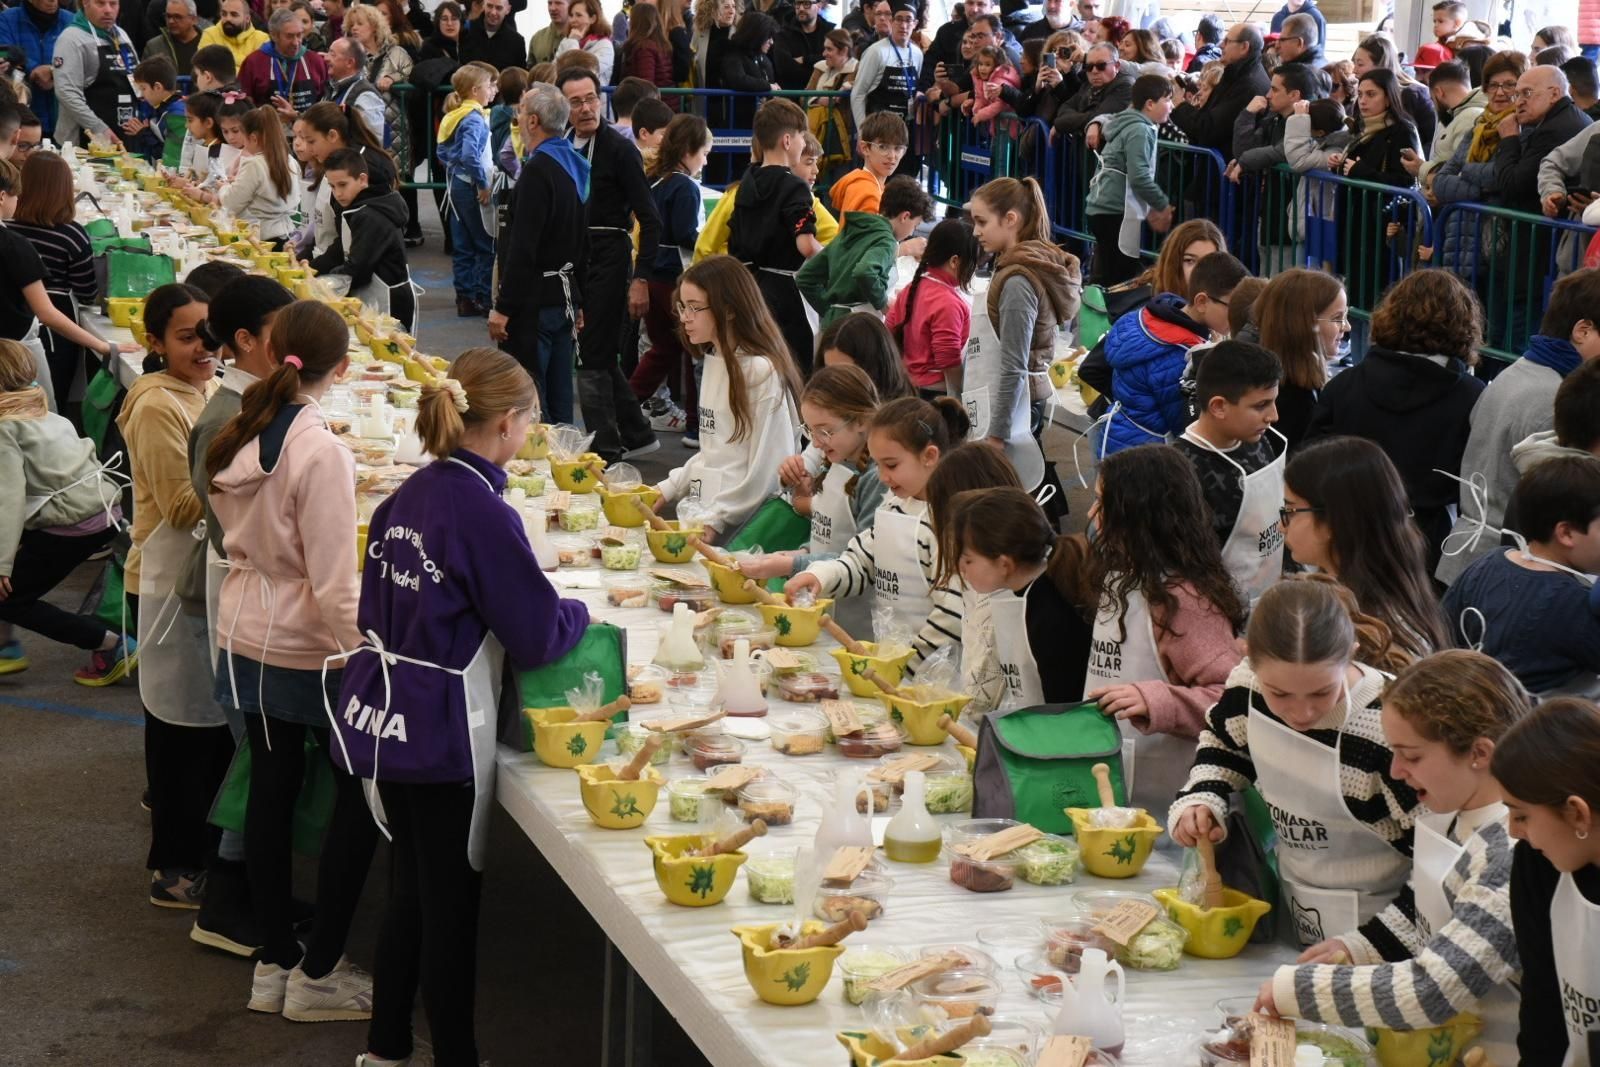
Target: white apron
x,y
1015,652
1134,212
898,581
174,653
1336,872
1433,856
41,364
480,689
833,523
981,384
378,294
1575,928
1154,766
1253,552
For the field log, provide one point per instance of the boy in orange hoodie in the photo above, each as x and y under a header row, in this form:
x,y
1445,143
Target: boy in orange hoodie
x,y
881,142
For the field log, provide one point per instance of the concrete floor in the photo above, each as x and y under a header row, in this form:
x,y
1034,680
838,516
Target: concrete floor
x,y
92,974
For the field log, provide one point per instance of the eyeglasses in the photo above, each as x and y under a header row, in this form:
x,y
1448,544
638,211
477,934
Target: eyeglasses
x,y
1101,65
1063,53
1286,515
1525,94
584,101
687,310
1338,320
886,149
822,437
1502,88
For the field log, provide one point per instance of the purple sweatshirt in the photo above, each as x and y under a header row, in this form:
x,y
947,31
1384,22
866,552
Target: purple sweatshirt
x,y
451,580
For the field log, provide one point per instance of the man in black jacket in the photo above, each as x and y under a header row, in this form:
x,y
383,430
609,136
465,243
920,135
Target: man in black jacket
x,y
1243,79
1546,118
1299,43
535,312
494,38
1207,43
1109,90
618,194
798,47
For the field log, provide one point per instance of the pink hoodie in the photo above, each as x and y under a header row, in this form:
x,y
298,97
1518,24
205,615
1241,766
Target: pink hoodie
x,y
290,536
1198,652
985,110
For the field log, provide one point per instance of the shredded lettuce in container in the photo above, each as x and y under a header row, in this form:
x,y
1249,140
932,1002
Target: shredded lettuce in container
x,y
1052,861
771,879
946,794
1158,947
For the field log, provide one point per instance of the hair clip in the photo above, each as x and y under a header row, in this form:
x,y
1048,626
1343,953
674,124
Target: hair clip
x,y
294,361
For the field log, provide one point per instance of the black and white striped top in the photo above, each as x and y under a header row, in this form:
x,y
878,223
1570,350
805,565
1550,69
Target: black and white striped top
x,y
67,256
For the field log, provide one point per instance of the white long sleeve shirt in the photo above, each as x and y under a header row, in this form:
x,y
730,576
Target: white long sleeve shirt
x,y
251,196
735,477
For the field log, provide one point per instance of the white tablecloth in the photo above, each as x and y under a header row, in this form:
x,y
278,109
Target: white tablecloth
x,y
693,964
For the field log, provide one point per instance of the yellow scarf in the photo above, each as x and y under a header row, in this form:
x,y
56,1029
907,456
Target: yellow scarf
x,y
24,404
516,139
1486,135
452,119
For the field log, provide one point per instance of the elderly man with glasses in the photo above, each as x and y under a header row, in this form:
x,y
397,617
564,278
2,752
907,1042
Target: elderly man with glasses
x,y
1574,161
1243,79
1109,89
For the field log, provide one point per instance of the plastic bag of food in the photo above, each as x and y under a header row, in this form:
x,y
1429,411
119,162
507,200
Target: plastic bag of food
x,y
568,442
589,696
888,627
941,671
1192,880
803,598
623,476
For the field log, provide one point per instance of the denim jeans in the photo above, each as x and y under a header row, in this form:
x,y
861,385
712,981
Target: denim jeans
x,y
472,260
541,340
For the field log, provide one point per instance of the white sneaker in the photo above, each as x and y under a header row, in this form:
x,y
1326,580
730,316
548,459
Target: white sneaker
x,y
672,420
367,1059
267,987
344,994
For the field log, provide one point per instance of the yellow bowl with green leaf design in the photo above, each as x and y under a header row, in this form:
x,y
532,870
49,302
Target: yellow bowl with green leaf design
x,y
853,669
560,742
689,880
729,584
537,443
919,713
1437,1046
614,804
785,976
870,1050
1061,372
620,508
672,544
1215,933
120,307
574,475
796,627
1114,853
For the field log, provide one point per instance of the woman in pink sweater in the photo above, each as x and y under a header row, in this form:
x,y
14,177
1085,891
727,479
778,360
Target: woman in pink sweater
x,y
1165,634
930,318
283,488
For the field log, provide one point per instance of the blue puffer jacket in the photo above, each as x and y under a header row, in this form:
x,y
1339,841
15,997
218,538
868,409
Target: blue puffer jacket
x,y
1147,353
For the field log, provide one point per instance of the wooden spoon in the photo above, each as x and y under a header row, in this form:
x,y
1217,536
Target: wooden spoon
x,y
961,734
853,923
630,771
736,840
949,1041
604,711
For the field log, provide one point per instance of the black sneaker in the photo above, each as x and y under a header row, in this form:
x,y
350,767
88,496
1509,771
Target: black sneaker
x,y
178,889
225,921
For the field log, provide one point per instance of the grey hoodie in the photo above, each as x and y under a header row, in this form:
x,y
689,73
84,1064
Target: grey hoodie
x,y
40,457
1537,447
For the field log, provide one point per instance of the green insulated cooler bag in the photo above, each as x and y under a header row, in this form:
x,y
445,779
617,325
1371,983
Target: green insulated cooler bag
x,y
603,649
1033,763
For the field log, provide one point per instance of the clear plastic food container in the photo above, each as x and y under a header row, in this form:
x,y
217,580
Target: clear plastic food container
x,y
687,800
878,740
620,557
768,799
798,732
770,875
668,595
712,750
646,684
860,964
868,894
630,590
1041,978
1051,860
959,833
631,738
973,959
1157,947
955,994
806,687
1005,942
981,876
870,714
1066,939
579,516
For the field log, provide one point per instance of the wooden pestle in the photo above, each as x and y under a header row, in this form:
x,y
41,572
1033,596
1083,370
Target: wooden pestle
x,y
1476,1057
633,768
949,1041
962,735
656,521
605,711
1208,866
853,923
1102,782
736,840
877,679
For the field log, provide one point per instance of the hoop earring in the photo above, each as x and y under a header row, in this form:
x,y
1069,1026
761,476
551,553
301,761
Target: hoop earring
x,y
504,436
1581,835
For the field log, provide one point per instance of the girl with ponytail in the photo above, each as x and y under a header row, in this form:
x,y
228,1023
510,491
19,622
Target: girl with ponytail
x,y
897,558
929,318
1302,722
451,590
1036,287
283,488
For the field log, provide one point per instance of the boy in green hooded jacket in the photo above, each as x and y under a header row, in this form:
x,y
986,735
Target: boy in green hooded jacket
x,y
856,271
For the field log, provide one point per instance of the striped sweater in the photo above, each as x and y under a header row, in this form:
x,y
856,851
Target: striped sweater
x,y
1223,766
1459,965
852,575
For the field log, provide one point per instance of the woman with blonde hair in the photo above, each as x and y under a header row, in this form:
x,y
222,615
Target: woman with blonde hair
x,y
388,64
1302,317
435,666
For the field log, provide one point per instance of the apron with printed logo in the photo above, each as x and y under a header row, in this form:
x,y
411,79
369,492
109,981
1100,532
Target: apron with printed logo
x,y
110,96
174,647
1155,766
1253,552
833,524
1024,689
1336,871
898,582
1433,856
980,387
1575,931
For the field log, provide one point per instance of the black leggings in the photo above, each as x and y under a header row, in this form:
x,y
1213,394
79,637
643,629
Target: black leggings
x,y
43,561
275,778
433,917
184,767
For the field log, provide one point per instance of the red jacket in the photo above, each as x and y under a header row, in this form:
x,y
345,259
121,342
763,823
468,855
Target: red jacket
x,y
933,339
648,60
263,74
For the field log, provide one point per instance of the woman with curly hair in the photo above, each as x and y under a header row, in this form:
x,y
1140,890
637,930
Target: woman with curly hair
x,y
1413,393
1169,612
1345,513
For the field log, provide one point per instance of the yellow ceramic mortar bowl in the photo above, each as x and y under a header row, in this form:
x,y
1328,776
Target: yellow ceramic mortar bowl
x,y
620,508
560,742
853,668
729,584
537,444
1437,1044
921,717
796,627
692,881
870,1050
121,307
618,805
574,475
1219,933
672,545
1114,853
783,976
